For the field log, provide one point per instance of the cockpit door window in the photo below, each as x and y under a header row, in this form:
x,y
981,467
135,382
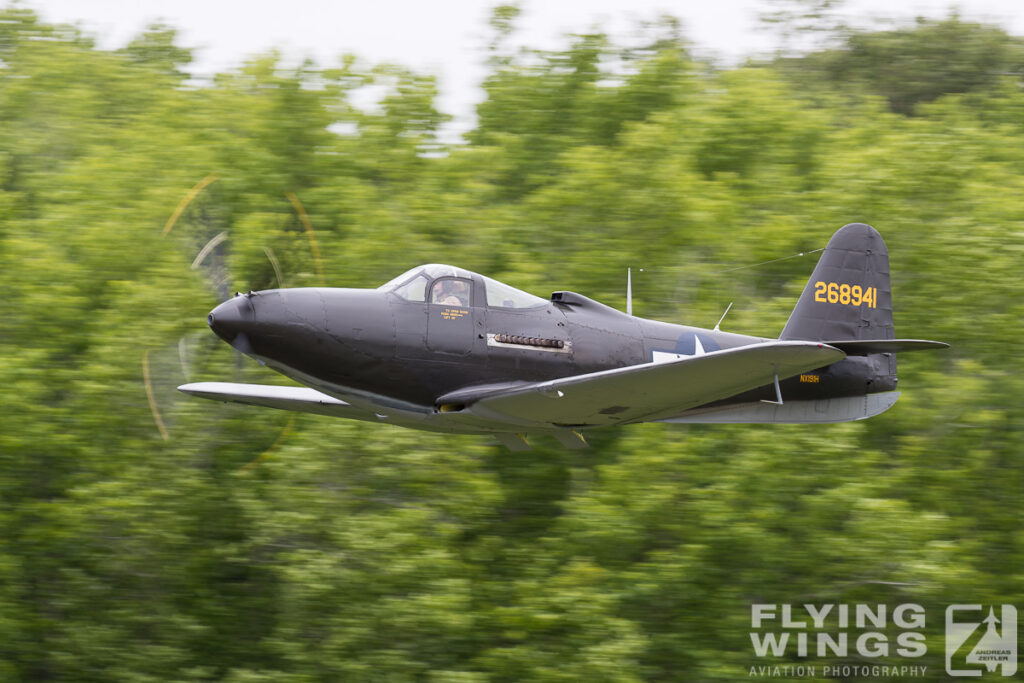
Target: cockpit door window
x,y
452,291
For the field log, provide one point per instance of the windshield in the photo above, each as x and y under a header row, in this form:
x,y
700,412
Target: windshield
x,y
415,289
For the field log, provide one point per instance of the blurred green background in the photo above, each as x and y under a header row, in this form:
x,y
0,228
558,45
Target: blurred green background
x,y
243,545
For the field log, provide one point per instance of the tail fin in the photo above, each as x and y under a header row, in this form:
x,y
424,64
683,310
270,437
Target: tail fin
x,y
848,296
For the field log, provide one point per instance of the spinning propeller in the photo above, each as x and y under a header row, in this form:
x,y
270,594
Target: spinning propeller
x,y
206,233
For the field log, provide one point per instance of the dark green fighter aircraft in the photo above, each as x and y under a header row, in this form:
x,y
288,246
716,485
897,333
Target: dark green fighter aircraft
x,y
443,349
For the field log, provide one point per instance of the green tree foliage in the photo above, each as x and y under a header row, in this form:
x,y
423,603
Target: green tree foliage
x,y
156,48
240,545
542,103
912,65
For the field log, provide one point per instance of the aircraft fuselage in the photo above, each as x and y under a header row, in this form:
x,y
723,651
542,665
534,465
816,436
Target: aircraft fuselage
x,y
378,347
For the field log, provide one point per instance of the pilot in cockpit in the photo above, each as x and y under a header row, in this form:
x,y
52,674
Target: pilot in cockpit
x,y
454,293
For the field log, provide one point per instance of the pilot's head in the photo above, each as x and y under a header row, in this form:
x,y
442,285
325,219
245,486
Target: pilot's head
x,y
459,289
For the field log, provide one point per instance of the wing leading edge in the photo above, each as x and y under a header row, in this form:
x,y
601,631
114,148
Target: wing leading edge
x,y
301,399
650,391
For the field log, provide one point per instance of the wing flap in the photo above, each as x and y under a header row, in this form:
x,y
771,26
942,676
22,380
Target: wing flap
x,y
301,399
653,390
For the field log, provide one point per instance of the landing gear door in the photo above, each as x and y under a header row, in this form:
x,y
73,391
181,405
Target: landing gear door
x,y
452,316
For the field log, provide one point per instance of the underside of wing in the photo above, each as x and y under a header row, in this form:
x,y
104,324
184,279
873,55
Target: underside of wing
x,y
301,399
649,391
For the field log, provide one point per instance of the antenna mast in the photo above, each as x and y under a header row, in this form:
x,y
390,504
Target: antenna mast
x,y
629,289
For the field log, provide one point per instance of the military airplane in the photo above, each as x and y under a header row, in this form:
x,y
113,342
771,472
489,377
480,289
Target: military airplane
x,y
443,349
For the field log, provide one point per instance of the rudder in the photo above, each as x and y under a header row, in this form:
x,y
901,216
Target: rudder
x,y
848,296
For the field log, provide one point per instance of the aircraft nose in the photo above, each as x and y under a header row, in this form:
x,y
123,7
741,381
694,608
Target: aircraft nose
x,y
230,318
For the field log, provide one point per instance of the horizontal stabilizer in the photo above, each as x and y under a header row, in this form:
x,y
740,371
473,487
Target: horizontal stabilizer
x,y
845,409
864,347
301,399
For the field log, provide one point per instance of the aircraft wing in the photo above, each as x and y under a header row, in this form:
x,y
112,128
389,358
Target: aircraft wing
x,y
649,391
301,399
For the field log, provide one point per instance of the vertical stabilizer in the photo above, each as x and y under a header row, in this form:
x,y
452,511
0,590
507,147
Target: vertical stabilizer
x,y
848,296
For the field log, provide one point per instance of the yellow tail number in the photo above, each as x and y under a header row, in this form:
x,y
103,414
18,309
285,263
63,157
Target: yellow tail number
x,y
848,295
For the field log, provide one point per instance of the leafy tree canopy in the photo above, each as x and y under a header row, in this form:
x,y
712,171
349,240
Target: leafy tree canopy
x,y
145,537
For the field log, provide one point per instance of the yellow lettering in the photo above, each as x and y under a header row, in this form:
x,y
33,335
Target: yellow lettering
x,y
847,295
833,293
819,291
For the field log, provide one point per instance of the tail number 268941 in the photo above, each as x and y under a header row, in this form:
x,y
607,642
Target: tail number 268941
x,y
851,295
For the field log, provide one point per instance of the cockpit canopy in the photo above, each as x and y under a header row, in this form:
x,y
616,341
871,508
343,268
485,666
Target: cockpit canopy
x,y
415,285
